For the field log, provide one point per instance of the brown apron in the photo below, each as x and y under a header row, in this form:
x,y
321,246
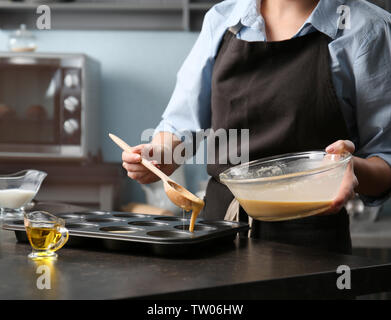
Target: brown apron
x,y
283,93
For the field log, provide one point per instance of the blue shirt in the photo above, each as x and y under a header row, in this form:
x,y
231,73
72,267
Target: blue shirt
x,y
360,51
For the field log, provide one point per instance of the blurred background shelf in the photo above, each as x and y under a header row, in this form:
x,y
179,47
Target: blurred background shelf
x,y
113,15
185,15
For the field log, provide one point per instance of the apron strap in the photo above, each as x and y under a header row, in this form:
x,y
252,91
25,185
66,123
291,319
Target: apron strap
x,y
235,29
232,214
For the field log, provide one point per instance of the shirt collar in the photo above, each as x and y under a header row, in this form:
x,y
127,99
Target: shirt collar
x,y
243,12
324,18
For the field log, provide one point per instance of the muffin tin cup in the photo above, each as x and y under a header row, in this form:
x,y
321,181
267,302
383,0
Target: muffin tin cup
x,y
127,231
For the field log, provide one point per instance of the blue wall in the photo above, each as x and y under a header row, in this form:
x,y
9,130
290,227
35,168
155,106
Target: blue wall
x,y
138,77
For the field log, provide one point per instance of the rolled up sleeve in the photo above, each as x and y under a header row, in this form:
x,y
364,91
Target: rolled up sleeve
x,y
372,69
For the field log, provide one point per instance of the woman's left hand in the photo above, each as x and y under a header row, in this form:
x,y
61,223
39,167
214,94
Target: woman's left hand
x,y
349,181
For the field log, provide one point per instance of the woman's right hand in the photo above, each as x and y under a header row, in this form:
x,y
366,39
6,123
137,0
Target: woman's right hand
x,y
136,171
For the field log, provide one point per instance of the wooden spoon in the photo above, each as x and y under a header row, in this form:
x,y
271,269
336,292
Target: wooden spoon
x,y
179,195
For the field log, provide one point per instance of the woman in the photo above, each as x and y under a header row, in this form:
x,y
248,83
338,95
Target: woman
x,y
300,75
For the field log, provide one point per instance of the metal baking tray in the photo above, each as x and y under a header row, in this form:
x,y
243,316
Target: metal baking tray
x,y
161,235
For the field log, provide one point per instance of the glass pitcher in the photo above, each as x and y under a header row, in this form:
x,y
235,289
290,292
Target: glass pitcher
x,y
46,234
17,190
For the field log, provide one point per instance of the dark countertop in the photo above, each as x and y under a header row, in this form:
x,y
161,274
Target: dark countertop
x,y
249,269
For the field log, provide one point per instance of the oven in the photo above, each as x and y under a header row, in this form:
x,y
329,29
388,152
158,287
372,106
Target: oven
x,y
49,106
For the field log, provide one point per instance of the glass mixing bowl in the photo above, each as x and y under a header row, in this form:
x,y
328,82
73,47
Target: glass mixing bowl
x,y
288,186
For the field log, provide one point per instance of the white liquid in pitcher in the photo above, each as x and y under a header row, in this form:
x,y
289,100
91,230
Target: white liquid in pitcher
x,y
15,198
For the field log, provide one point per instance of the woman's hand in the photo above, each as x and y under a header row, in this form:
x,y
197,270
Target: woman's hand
x,y
163,143
349,181
136,171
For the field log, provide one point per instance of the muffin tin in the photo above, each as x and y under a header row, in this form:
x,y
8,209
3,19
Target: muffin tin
x,y
161,235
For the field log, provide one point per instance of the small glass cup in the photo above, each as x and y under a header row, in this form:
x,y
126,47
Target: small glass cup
x,y
46,234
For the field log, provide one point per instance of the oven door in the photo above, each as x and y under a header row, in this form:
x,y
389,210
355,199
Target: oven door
x,y
30,108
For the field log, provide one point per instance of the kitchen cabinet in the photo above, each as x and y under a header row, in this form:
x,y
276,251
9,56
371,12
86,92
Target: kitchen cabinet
x,y
93,185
